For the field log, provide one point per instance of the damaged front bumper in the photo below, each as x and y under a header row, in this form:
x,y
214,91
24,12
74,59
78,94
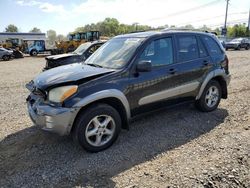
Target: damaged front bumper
x,y
51,118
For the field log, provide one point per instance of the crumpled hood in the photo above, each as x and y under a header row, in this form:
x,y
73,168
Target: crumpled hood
x,y
68,73
55,57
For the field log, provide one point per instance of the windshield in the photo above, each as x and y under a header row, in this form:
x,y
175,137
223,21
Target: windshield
x,y
115,53
236,40
82,48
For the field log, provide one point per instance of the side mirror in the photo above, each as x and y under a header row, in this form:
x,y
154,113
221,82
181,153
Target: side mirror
x,y
144,66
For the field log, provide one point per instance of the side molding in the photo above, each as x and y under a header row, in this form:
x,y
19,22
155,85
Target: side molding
x,y
105,94
217,72
169,93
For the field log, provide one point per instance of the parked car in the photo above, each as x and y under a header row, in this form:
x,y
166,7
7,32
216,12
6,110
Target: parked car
x,y
129,75
238,43
5,54
79,55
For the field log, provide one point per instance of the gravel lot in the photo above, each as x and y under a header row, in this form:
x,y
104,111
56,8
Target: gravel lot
x,y
178,147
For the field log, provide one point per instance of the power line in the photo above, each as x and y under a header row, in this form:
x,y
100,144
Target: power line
x,y
229,23
200,20
187,10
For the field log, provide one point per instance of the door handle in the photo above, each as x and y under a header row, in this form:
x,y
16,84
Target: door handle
x,y
205,63
172,71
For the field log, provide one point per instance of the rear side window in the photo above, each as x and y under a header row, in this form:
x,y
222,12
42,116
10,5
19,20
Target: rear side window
x,y
159,52
202,49
212,45
187,48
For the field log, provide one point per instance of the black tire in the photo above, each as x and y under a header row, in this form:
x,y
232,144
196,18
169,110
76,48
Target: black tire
x,y
201,104
6,57
247,47
84,120
33,53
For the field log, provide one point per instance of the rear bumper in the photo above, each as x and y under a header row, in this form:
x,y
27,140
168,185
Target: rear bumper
x,y
54,119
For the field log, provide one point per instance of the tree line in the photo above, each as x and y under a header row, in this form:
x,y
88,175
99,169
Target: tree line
x,y
111,27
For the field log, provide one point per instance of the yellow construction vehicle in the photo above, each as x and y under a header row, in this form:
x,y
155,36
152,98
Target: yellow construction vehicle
x,y
76,39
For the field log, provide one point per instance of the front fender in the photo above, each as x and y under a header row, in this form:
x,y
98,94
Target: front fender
x,y
105,94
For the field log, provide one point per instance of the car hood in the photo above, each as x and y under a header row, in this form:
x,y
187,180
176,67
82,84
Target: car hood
x,y
60,56
68,74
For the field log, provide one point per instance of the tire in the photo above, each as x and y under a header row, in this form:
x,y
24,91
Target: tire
x,y
247,47
33,53
6,58
92,122
203,103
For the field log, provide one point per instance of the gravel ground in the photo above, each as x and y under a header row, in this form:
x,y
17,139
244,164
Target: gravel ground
x,y
178,147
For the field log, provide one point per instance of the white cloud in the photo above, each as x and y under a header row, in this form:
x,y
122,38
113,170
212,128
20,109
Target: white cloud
x,y
154,13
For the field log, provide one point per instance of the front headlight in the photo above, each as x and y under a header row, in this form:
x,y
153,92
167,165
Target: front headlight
x,y
59,94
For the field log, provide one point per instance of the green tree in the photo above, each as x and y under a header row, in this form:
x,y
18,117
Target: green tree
x,y
238,30
11,28
60,37
35,30
79,29
51,34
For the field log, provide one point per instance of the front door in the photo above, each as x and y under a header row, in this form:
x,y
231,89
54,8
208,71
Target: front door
x,y
146,87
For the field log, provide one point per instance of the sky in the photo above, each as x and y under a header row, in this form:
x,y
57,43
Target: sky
x,y
64,16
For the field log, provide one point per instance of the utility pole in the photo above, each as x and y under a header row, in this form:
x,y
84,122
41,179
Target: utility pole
x,y
224,30
249,21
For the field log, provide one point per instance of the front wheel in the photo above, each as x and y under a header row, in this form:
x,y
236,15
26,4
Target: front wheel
x,y
33,53
6,58
247,47
210,97
97,127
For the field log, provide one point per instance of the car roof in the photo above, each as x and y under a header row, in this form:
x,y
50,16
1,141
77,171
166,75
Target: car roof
x,y
148,34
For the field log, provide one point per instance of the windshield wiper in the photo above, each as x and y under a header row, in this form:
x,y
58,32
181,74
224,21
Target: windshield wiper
x,y
94,65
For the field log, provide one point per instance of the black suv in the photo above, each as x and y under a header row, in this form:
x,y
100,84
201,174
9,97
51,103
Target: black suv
x,y
79,55
127,76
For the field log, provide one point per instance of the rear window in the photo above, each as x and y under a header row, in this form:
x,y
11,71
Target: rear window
x,y
187,48
212,45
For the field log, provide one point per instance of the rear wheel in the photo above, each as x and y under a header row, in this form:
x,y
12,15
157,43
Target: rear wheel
x,y
247,47
210,97
97,128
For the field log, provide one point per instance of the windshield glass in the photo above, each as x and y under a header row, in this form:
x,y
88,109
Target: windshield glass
x,y
236,40
115,53
82,48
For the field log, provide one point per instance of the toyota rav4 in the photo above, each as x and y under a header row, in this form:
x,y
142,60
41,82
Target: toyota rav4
x,y
127,76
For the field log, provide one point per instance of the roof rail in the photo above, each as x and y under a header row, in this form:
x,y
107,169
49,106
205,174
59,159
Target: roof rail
x,y
186,29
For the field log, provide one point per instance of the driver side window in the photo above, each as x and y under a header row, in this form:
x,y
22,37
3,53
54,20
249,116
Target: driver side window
x,y
159,52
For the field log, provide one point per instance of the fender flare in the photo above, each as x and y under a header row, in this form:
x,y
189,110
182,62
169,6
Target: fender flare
x,y
105,94
211,75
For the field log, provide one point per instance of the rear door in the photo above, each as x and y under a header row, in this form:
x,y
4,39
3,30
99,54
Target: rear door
x,y
193,63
